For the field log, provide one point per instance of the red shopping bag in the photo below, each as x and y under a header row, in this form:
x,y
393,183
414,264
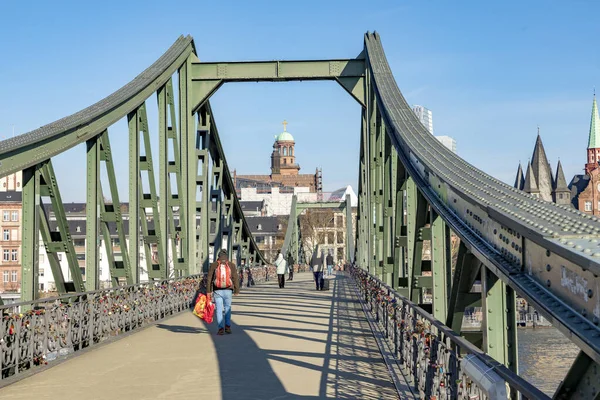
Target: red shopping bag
x,y
209,312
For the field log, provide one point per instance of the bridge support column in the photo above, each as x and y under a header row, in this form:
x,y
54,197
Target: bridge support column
x,y
466,272
202,204
172,237
134,195
499,320
112,213
441,265
30,234
416,218
92,278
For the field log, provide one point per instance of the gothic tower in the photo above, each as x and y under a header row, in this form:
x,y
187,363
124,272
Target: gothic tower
x,y
593,150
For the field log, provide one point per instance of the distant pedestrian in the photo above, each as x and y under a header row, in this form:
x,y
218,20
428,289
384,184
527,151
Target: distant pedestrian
x,y
290,261
317,267
223,277
282,269
329,263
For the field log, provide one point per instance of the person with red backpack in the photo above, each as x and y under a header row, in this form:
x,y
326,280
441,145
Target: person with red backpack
x,y
223,277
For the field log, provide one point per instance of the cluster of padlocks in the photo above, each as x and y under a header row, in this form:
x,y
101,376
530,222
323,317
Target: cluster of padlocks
x,y
428,357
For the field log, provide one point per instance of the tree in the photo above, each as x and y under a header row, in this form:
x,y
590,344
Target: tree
x,y
314,224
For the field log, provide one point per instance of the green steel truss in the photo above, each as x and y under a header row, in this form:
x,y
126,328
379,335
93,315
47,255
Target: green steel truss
x,y
406,221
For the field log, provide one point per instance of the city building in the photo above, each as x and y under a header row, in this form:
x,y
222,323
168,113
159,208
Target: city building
x,y
284,170
275,202
448,141
253,208
425,116
539,180
10,245
269,234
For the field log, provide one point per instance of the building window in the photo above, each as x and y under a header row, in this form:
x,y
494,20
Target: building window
x,y
14,256
5,276
259,227
41,271
15,216
82,269
79,242
5,216
6,255
59,255
15,234
560,196
588,206
13,276
41,287
5,234
80,256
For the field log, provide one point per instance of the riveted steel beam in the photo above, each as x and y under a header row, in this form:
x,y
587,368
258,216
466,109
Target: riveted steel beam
x,y
416,218
466,271
24,151
111,219
151,232
92,239
30,234
499,320
441,265
581,382
203,182
193,255
134,194
60,240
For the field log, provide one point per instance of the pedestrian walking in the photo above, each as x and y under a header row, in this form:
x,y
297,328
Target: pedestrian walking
x,y
223,278
282,269
317,263
290,261
329,264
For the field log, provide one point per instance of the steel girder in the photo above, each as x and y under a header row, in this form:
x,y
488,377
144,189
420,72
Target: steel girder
x,y
111,214
173,235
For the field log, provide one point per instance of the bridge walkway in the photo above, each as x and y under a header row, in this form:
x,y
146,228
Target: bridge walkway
x,y
291,343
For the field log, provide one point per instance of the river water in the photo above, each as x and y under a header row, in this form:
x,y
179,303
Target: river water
x,y
545,356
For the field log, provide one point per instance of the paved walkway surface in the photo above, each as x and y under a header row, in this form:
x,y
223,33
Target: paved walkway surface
x,y
291,343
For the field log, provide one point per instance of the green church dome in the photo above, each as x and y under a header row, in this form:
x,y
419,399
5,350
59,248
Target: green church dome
x,y
285,135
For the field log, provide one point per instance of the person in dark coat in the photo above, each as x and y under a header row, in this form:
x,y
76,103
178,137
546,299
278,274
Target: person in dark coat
x,y
317,264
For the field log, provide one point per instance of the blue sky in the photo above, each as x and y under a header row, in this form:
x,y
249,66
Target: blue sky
x,y
490,72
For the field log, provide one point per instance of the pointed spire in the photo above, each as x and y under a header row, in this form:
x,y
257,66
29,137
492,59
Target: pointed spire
x,y
530,185
594,137
519,180
560,183
541,170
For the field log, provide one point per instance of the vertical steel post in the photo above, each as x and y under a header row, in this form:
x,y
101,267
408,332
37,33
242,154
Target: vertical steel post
x,y
189,166
164,189
499,320
134,195
92,267
30,234
204,182
440,263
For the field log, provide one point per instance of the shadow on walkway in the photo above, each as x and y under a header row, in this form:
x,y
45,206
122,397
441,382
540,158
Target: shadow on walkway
x,y
291,343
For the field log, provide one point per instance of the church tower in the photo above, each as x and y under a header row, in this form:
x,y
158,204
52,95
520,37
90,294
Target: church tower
x,y
593,150
541,170
283,159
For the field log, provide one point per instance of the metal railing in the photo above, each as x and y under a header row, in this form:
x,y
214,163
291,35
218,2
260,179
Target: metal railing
x,y
432,357
38,332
